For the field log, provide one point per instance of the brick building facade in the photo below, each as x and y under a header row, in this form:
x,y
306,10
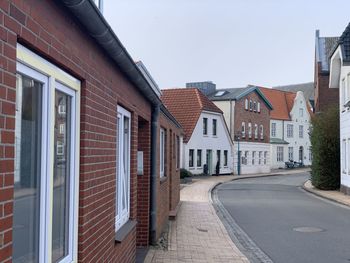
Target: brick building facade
x,y
51,49
324,96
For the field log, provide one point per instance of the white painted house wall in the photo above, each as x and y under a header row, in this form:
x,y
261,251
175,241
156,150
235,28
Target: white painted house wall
x,y
227,106
295,141
211,142
342,72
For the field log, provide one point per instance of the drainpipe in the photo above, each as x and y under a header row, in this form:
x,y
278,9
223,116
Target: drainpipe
x,y
154,174
231,117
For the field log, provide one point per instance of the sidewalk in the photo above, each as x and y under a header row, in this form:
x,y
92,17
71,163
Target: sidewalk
x,y
330,195
198,235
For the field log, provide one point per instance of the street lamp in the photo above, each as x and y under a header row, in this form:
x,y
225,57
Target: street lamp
x,y
237,138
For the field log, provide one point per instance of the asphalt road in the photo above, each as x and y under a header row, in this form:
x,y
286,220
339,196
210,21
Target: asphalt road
x,y
269,209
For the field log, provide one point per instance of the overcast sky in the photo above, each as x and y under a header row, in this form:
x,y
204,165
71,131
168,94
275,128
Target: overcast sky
x,y
230,42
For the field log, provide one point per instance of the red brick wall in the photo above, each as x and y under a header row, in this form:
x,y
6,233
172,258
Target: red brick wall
x,y
143,185
242,115
168,194
48,29
324,96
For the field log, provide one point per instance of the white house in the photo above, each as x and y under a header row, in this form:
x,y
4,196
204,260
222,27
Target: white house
x,y
289,127
340,79
207,142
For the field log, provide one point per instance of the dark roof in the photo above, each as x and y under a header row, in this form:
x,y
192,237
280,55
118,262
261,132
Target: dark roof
x,y
324,48
344,41
306,88
238,93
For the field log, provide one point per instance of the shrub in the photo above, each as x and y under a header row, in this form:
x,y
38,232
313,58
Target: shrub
x,y
325,143
185,173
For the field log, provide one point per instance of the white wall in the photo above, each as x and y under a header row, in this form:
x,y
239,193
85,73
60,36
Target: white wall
x,y
220,142
249,168
226,108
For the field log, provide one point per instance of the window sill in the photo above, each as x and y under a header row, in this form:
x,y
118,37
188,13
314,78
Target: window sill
x,y
163,179
191,168
124,231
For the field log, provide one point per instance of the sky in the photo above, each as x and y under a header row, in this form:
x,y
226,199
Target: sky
x,y
230,42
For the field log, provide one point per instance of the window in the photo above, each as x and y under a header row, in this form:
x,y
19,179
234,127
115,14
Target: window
x,y
162,152
259,107
348,156
344,156
225,158
256,131
253,157
199,158
220,93
273,129
123,166
261,132
265,157
43,179
246,153
260,156
246,104
205,126
250,130
290,130
301,131
301,112
214,126
255,106
290,154
250,105
279,154
178,152
191,158
61,128
243,129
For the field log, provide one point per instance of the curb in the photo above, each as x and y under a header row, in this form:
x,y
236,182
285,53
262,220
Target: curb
x,y
315,192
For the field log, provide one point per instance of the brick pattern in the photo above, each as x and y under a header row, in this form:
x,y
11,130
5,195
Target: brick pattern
x,y
262,118
168,192
47,28
324,96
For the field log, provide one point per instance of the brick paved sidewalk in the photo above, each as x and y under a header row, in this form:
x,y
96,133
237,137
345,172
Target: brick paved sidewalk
x,y
198,235
336,196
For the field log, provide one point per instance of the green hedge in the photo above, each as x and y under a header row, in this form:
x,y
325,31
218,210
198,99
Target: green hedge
x,y
185,173
324,137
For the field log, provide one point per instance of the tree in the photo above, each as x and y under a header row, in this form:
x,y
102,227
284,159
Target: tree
x,y
324,137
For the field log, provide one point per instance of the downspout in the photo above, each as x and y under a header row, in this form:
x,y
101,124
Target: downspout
x,y
283,130
154,174
231,117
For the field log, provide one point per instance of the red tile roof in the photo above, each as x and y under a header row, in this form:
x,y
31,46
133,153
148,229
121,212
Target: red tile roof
x,y
282,102
186,105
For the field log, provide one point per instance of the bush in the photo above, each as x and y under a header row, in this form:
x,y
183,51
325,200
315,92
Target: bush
x,y
184,173
325,143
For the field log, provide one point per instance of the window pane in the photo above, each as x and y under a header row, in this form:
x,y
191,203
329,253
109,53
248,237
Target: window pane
x,y
27,170
61,178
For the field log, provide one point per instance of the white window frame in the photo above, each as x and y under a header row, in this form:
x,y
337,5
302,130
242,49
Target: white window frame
x,y
122,216
279,153
225,158
250,130
256,132
205,126
290,129
246,106
62,128
273,129
261,132
189,158
290,153
250,105
259,109
344,156
260,156
199,155
54,78
215,127
162,152
253,157
301,112
265,157
301,131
